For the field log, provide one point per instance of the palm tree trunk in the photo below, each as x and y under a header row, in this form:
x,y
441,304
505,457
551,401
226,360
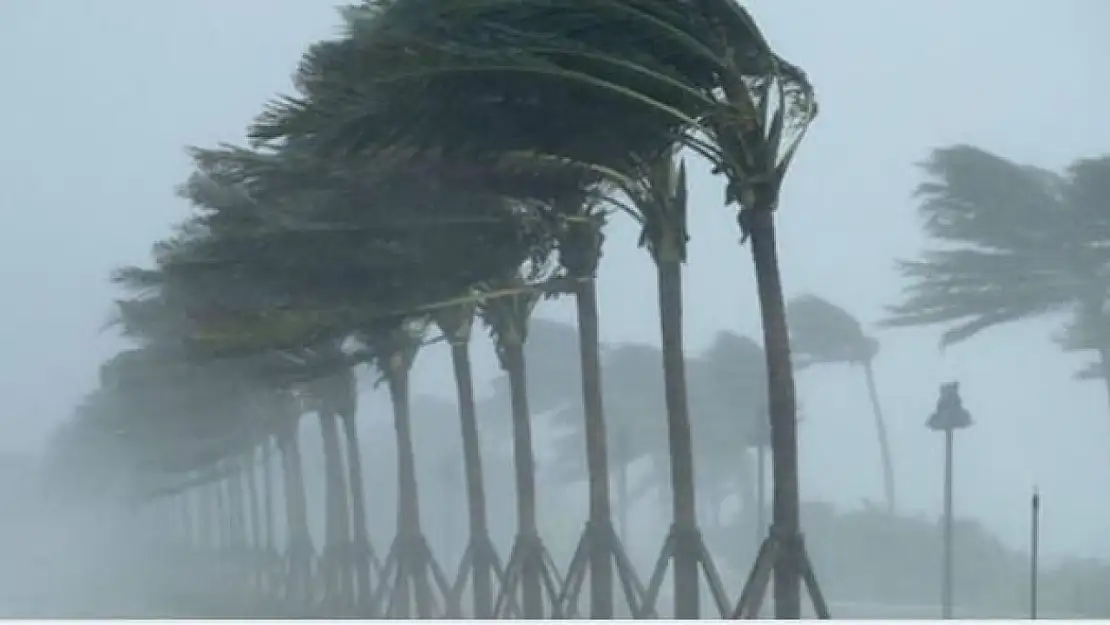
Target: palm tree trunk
x,y
525,463
251,474
359,532
884,439
785,504
679,439
267,498
408,506
267,544
475,485
408,500
337,526
296,513
597,454
623,503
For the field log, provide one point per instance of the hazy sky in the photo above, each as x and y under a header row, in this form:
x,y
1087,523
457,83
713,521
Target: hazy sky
x,y
100,99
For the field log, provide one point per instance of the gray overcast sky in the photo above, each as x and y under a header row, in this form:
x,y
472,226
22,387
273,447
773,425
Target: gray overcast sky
x,y
101,97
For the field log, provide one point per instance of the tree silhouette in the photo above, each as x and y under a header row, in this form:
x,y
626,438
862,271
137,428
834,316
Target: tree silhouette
x,y
1016,242
827,334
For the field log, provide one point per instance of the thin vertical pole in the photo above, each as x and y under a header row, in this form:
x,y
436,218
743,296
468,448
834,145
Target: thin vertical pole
x,y
1034,556
946,581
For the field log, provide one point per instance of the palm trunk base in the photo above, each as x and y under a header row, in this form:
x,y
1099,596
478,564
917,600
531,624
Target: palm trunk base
x,y
686,548
600,539
337,567
298,586
364,562
779,551
531,573
409,581
479,564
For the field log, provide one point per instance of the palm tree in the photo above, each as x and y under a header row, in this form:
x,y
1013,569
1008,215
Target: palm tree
x,y
480,557
827,334
1018,242
528,565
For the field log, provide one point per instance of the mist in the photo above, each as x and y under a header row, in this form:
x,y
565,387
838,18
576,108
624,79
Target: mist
x,y
103,98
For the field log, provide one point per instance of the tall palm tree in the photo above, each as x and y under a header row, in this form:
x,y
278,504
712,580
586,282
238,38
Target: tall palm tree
x,y
1017,242
479,558
395,346
824,333
527,567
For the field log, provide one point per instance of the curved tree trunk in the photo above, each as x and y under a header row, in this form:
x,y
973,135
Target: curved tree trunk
x,y
884,439
359,532
268,539
686,595
267,497
409,532
337,526
785,504
255,512
597,459
299,583
475,484
524,462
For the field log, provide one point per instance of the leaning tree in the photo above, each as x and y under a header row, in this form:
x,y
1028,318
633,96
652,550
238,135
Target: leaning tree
x,y
1013,242
824,333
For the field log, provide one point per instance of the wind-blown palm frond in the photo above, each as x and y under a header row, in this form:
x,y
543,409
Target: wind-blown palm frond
x,y
1015,246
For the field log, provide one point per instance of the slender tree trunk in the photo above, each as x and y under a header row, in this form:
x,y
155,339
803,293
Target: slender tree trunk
x,y
597,454
785,503
337,526
267,498
408,503
236,500
482,575
223,513
360,532
250,471
525,464
884,439
408,499
687,601
267,545
623,495
296,513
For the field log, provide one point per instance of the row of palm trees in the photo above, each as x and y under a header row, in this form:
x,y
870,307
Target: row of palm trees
x,y
442,163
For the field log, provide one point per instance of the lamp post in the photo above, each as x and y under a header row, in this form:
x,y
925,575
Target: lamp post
x,y
949,416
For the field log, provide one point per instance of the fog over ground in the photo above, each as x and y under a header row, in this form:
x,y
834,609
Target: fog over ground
x,y
101,98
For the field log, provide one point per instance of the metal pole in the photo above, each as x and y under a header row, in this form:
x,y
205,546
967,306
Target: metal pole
x,y
1035,554
946,581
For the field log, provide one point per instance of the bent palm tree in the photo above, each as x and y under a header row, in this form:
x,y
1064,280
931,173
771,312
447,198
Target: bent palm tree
x,y
1018,242
827,334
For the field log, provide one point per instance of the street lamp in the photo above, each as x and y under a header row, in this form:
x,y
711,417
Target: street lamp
x,y
949,416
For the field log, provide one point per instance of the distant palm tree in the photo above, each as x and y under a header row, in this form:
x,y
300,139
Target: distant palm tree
x,y
827,334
